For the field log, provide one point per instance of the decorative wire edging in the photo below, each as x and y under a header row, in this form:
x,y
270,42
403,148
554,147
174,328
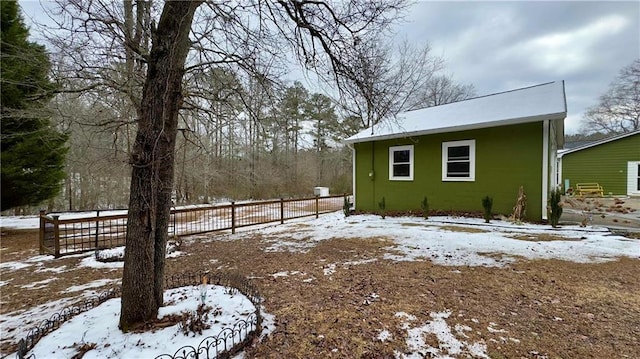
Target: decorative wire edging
x,y
231,338
55,321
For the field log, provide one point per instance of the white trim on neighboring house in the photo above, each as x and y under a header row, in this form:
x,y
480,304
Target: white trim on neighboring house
x,y
545,167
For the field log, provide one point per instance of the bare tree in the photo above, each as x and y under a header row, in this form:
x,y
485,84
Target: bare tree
x,y
104,36
441,89
618,110
382,80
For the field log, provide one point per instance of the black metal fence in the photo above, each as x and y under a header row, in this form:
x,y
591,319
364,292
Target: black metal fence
x,y
65,236
227,342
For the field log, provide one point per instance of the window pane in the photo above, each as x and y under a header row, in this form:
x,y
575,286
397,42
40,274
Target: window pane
x,y
401,170
458,169
401,156
458,153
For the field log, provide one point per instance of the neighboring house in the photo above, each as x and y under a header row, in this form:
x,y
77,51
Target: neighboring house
x,y
614,163
458,153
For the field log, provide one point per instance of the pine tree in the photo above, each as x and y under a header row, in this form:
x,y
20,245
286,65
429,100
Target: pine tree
x,y
33,151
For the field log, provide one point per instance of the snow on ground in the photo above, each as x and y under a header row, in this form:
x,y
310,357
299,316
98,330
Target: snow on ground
x,y
449,241
455,241
99,326
20,222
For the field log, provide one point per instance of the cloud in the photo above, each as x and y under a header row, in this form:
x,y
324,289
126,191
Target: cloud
x,y
562,53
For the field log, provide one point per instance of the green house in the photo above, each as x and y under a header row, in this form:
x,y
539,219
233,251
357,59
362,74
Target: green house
x,y
613,163
458,153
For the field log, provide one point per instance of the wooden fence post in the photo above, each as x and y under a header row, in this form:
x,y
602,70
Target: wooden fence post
x,y
97,226
233,217
317,196
41,235
175,213
281,210
56,237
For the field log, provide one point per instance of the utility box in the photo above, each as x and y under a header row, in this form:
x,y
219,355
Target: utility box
x,y
321,191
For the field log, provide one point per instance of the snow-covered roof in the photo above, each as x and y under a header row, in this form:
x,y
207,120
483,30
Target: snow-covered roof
x,y
597,143
530,104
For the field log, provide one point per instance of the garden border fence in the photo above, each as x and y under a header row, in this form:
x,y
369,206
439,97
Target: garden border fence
x,y
61,236
232,339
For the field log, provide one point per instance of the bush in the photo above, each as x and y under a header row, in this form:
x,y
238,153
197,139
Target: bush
x,y
554,208
487,203
346,207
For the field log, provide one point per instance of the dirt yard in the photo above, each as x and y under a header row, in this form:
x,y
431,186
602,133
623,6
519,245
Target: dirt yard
x,y
335,300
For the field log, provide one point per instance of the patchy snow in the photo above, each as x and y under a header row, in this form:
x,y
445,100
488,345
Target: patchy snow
x,y
60,269
91,262
39,284
454,241
329,269
20,222
449,345
95,284
384,335
448,241
11,266
99,326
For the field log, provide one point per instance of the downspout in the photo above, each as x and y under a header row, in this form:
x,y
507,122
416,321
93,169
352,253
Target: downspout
x,y
353,174
545,167
372,174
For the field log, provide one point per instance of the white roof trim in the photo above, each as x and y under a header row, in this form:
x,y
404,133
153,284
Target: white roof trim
x,y
530,104
597,143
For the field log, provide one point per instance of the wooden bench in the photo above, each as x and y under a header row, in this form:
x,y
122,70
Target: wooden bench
x,y
583,189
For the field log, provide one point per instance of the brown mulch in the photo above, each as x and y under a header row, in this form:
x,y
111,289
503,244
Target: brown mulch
x,y
536,309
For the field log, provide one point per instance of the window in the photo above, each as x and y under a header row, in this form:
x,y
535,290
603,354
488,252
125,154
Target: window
x,y
401,163
459,161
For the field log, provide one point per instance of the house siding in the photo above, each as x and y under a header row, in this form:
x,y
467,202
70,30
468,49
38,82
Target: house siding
x,y
605,164
506,157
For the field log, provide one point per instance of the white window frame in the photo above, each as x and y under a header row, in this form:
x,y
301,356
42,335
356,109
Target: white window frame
x,y
391,163
472,160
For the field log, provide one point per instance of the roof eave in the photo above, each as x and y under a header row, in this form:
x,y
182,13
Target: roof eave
x,y
598,143
475,126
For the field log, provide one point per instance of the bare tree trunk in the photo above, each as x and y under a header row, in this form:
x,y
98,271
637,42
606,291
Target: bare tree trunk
x,y
153,166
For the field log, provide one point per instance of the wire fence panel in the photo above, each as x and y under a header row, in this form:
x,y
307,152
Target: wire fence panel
x,y
77,233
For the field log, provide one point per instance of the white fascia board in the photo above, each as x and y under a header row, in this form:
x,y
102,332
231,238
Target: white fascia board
x,y
475,126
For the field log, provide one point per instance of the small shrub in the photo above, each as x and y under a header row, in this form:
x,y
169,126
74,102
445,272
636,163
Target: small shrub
x,y
425,207
196,322
346,207
554,207
487,203
382,205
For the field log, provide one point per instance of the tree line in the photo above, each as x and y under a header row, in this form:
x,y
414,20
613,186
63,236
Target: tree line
x,y
243,131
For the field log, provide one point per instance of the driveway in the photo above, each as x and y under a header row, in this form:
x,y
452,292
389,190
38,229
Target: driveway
x,y
616,213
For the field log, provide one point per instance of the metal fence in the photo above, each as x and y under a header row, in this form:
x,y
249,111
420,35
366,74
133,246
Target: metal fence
x,y
61,236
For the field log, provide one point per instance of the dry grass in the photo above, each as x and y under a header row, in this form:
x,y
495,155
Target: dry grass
x,y
554,308
542,237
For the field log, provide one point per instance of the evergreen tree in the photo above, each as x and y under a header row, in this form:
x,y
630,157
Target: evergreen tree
x,y
33,151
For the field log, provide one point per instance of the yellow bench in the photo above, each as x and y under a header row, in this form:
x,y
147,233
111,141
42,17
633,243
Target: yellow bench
x,y
589,189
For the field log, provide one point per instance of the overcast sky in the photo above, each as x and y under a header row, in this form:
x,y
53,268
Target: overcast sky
x,y
499,46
